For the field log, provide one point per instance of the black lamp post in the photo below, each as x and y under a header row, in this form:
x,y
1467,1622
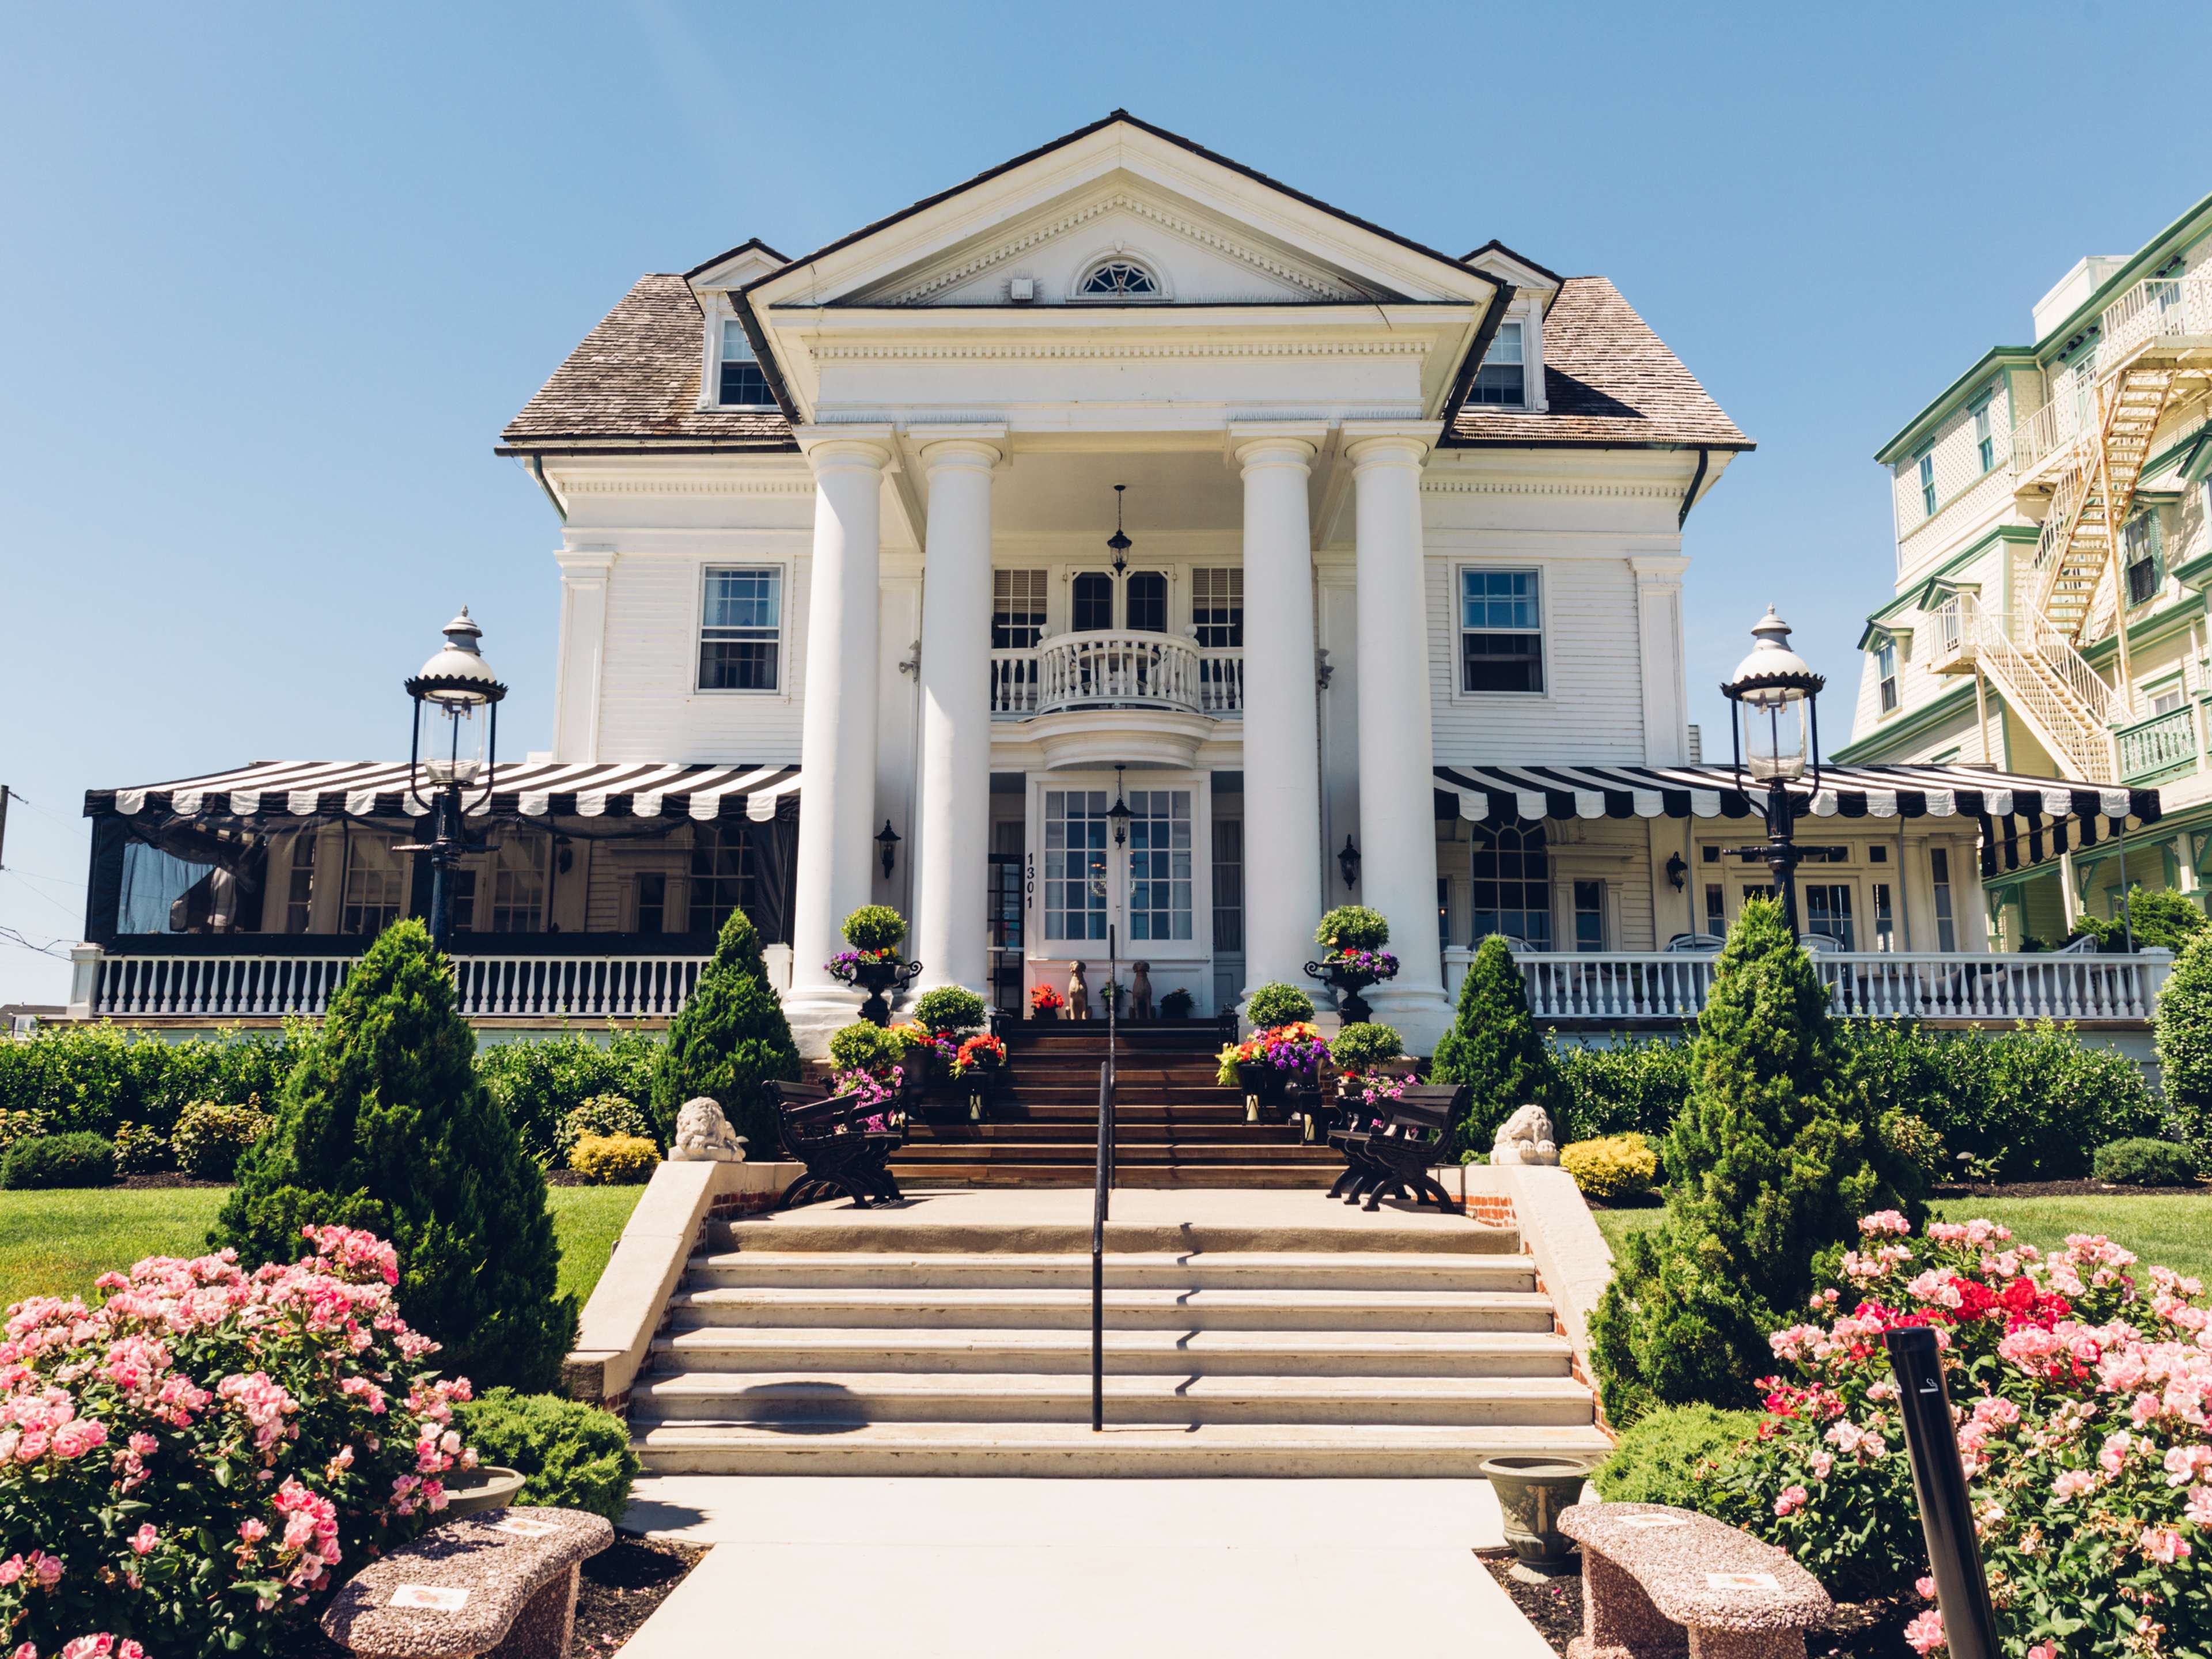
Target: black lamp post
x,y
1777,734
453,685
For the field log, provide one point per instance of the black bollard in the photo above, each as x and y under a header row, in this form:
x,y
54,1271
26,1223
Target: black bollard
x,y
1938,1481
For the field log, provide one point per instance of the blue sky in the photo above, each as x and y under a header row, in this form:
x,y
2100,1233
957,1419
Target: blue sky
x,y
273,278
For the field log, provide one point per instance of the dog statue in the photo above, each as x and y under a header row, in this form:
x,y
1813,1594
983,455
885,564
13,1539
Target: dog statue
x,y
1140,990
1079,994
1526,1138
703,1136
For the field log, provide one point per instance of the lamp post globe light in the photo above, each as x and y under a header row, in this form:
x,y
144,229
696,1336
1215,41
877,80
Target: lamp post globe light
x,y
456,759
1777,737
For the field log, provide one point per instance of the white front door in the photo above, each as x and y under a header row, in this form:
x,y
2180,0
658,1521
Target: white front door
x,y
1154,889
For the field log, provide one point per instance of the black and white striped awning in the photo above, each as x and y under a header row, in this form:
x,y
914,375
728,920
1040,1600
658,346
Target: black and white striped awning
x,y
636,789
1506,792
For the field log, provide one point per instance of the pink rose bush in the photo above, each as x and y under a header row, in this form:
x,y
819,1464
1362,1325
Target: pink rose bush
x,y
192,1461
2080,1382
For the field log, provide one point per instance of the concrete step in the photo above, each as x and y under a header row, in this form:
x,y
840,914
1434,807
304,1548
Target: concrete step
x,y
1072,1449
1128,1136
1283,1149
1305,1224
1313,1177
1216,1270
879,1308
1531,1349
852,1397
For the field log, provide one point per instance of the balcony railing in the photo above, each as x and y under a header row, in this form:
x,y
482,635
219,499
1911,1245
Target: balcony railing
x,y
1628,987
2160,744
1117,669
228,987
2162,307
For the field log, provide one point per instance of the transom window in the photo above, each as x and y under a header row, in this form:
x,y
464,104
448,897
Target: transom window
x,y
1160,863
1501,631
1116,279
1017,610
1502,381
741,630
1512,872
744,385
1075,840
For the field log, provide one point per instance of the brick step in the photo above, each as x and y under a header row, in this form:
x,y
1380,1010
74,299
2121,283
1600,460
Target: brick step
x,y
963,1132
1313,1177
919,1153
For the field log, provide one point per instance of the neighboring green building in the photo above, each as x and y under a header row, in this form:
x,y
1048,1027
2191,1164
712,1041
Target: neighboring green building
x,y
2054,548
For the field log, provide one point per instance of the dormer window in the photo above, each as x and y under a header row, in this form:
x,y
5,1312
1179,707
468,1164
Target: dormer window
x,y
1502,382
743,385
1119,279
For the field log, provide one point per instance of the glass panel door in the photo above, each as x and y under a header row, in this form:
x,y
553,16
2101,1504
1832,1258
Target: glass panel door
x,y
1160,863
1076,837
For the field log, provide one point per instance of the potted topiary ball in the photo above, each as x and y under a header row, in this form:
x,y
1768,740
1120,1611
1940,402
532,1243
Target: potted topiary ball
x,y
1352,937
873,933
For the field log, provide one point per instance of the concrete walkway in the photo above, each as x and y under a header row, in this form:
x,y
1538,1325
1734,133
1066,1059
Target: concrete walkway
x,y
824,1568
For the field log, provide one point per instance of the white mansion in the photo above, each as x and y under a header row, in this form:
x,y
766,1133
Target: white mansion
x,y
1117,474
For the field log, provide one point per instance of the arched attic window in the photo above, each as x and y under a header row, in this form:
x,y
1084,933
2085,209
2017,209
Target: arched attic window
x,y
1118,279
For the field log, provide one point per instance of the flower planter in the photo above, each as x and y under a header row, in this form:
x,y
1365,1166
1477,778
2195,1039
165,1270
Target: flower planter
x,y
487,1487
1044,1016
1531,1492
1348,980
875,978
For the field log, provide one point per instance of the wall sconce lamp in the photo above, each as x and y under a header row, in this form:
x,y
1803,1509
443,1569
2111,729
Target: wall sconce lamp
x,y
1119,814
887,841
1677,871
1349,861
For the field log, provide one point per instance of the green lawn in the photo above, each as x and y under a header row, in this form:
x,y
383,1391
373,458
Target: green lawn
x,y
2172,1230
58,1243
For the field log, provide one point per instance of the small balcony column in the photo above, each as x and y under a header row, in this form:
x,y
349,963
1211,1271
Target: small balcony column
x,y
1282,776
837,740
1397,826
952,830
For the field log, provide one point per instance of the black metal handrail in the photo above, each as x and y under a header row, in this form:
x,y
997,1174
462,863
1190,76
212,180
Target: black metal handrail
x,y
1103,1184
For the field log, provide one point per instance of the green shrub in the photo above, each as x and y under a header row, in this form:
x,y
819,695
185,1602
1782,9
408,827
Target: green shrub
x,y
1364,1044
1914,1140
2140,1161
1278,1004
2183,1035
1353,927
538,1085
79,1158
875,927
2156,919
1769,1168
1674,1455
16,1125
1175,1005
602,1114
1494,1047
950,1008
96,1077
1637,1085
863,1047
211,1137
730,1041
387,1126
576,1456
1611,1167
139,1150
615,1160
2034,1101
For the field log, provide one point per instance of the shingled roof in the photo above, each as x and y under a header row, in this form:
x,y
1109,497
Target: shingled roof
x,y
637,377
1608,380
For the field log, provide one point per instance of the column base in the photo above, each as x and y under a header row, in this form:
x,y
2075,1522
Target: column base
x,y
1421,1014
814,1013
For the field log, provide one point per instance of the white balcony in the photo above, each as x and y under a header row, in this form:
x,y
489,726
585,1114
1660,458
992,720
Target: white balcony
x,y
2164,311
1116,669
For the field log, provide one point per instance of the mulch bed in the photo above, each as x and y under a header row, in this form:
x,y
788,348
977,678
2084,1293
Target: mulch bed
x,y
2084,1189
165,1178
621,1587
1862,1630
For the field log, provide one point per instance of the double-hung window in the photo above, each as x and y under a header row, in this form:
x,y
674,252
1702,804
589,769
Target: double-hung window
x,y
1501,631
1885,662
1017,610
2168,697
741,629
1502,381
744,385
1985,441
2139,557
1927,483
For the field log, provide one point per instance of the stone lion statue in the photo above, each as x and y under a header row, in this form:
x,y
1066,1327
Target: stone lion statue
x,y
1526,1138
703,1136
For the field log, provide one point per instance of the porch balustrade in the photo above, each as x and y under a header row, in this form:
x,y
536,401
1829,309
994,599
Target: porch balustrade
x,y
1116,669
1630,987
217,987
2162,743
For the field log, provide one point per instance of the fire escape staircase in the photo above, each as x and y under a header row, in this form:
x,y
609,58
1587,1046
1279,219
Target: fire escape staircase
x,y
2062,701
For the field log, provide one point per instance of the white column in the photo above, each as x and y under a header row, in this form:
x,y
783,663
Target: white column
x,y
837,754
1397,820
1659,639
583,574
953,821
1282,768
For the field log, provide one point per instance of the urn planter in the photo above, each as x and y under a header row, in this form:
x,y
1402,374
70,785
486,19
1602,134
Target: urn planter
x,y
487,1487
1531,1492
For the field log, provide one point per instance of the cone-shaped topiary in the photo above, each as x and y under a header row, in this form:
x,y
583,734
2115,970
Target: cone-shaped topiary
x,y
385,1125
2185,1046
1494,1048
730,1041
1769,1165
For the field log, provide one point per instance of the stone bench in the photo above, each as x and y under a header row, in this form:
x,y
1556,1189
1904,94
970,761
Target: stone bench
x,y
500,1582
1658,1581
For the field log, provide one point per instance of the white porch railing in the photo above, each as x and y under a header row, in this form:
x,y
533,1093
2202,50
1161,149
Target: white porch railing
x,y
1660,986
219,988
1117,669
2162,307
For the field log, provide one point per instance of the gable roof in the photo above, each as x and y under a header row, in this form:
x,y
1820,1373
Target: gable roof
x,y
636,377
1610,383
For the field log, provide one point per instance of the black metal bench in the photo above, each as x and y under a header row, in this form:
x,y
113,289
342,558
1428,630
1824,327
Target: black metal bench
x,y
830,1135
1387,1147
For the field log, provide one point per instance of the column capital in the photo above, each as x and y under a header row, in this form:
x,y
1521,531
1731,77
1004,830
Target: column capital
x,y
1390,443
1249,443
846,445
961,445
1655,568
585,561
